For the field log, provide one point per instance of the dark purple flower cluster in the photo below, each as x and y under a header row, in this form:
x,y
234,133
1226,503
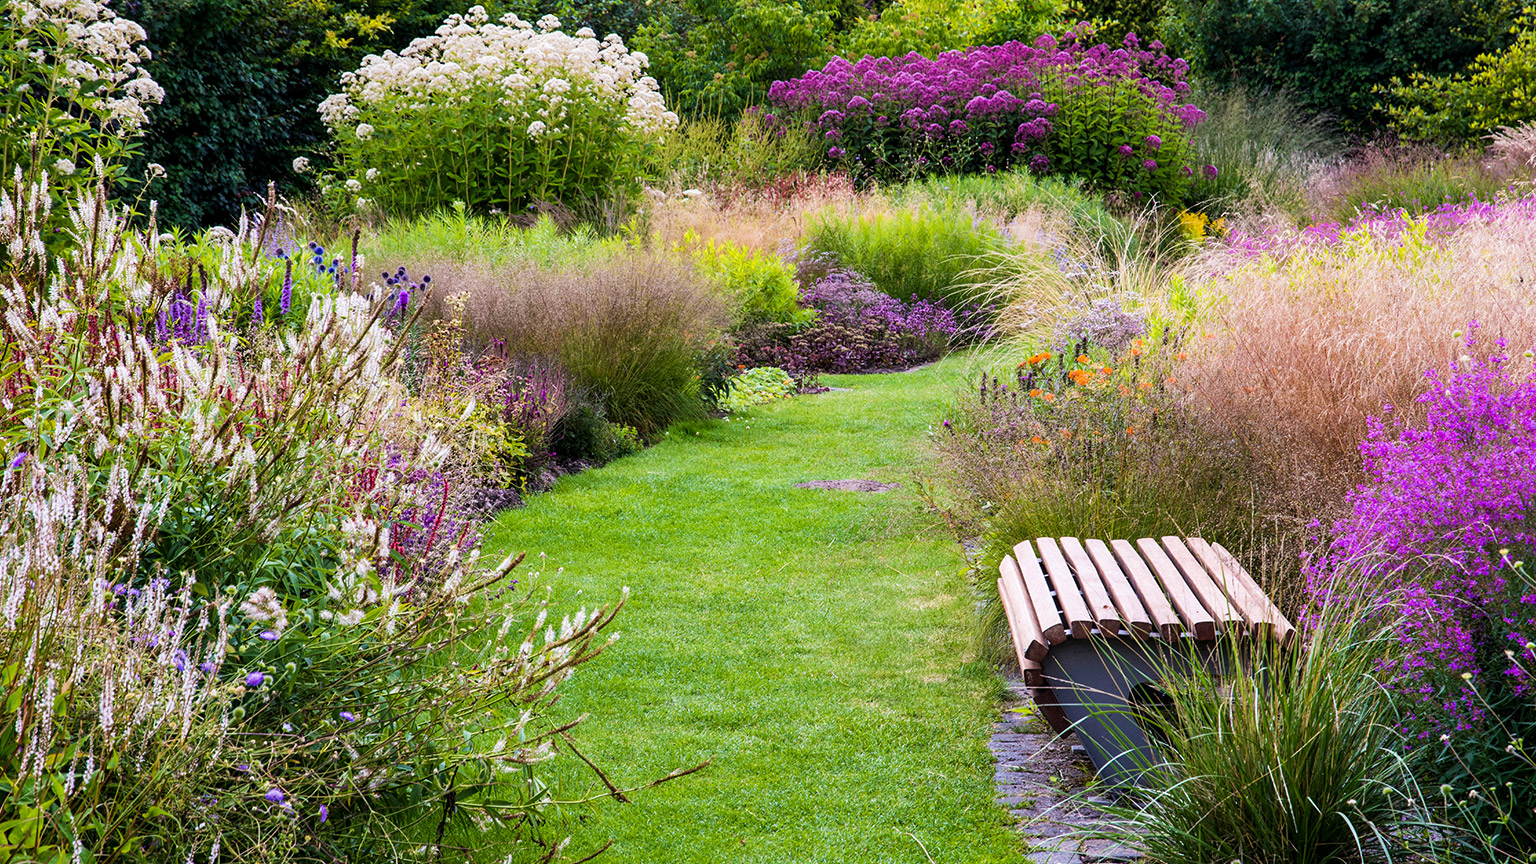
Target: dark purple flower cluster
x,y
1448,507
857,328
1049,106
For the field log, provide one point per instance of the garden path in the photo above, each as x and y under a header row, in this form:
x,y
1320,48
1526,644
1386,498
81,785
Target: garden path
x,y
813,643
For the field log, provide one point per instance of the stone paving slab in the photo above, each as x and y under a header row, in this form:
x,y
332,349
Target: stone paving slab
x,y
1041,779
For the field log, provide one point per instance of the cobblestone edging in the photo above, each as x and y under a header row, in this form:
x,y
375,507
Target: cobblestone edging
x,y
1042,779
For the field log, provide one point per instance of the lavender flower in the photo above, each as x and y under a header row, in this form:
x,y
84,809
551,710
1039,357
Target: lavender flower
x,y
285,299
255,679
274,795
325,814
348,717
268,635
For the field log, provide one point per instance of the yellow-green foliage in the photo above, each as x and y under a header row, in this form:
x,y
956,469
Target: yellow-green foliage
x,y
933,26
756,387
1497,90
760,285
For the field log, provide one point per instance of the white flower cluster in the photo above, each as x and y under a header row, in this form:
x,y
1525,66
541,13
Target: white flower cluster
x,y
534,69
90,43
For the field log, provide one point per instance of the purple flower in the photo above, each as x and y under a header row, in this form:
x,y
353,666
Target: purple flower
x,y
348,716
1126,150
275,795
835,153
258,317
267,635
1154,142
255,679
324,814
1210,170
16,463
1187,171
285,299
1149,164
1039,163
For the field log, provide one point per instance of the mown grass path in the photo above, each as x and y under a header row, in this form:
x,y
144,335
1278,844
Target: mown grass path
x,y
812,643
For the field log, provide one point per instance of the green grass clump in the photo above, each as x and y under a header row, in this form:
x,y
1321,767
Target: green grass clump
x,y
910,254
1298,762
455,236
1266,150
810,643
1004,195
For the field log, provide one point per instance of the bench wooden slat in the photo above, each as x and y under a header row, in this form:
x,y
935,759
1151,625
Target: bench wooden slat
x,y
1100,604
1050,709
1163,616
1068,595
1034,674
1284,631
1039,594
1028,639
1253,605
1132,612
1227,616
1191,610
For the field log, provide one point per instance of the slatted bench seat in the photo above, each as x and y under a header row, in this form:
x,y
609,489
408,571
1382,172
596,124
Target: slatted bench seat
x,y
1094,623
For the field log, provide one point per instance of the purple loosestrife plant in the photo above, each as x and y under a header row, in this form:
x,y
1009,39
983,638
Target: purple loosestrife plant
x,y
1447,506
1055,105
1393,225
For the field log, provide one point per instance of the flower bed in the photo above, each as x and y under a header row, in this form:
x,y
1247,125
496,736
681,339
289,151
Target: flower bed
x,y
1114,116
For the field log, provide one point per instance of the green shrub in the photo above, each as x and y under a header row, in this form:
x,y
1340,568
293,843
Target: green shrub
x,y
933,26
1497,90
585,434
758,386
1332,55
513,130
761,285
923,254
716,57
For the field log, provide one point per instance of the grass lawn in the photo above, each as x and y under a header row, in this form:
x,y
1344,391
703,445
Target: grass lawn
x,y
813,643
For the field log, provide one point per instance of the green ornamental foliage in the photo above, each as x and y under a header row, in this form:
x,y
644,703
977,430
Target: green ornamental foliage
x,y
761,285
498,115
933,26
1331,55
1497,90
758,386
716,57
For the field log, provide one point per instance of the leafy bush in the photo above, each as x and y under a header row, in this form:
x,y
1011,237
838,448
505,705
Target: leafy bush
x,y
856,329
931,27
1113,117
240,582
1497,90
495,115
75,92
1332,56
758,386
716,57
761,285
912,255
585,434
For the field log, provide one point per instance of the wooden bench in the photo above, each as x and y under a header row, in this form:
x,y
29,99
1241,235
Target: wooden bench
x,y
1093,622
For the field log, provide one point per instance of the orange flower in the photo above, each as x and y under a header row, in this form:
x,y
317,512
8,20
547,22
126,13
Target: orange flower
x,y
1035,393
1038,440
1145,385
1181,356
1106,371
1049,397
1066,433
1079,376
1130,430
1082,358
1037,359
